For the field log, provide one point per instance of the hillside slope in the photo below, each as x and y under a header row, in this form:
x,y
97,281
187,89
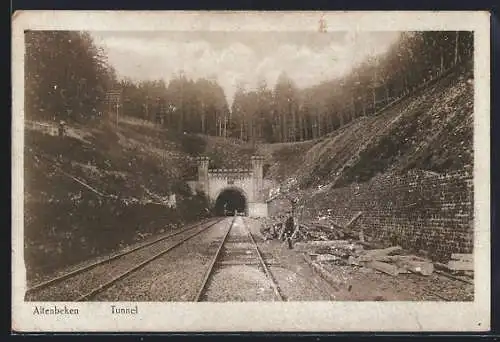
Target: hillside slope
x,y
97,179
83,187
430,129
223,152
97,189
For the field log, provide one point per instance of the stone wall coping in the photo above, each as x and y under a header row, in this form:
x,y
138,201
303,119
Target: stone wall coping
x,y
226,171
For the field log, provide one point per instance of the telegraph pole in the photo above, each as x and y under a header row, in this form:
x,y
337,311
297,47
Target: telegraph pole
x,y
116,113
115,97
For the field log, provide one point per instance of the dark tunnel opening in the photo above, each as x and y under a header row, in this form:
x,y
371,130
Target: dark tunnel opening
x,y
230,201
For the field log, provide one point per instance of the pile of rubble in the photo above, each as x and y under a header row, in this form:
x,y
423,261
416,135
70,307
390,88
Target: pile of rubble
x,y
327,242
314,230
391,260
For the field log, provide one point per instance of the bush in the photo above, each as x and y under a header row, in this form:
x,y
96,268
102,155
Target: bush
x,y
59,234
192,144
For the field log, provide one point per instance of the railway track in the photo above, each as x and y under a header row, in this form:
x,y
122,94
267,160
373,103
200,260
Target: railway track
x,y
86,282
237,249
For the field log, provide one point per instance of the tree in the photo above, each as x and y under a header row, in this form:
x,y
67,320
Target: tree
x,y
238,109
285,100
66,76
281,114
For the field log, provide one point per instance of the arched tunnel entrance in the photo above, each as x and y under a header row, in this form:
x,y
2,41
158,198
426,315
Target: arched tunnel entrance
x,y
229,201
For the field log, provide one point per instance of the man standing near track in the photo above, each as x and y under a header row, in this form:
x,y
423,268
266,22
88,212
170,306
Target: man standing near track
x,y
289,227
290,224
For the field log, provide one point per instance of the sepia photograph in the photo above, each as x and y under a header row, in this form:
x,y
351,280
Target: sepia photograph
x,y
320,164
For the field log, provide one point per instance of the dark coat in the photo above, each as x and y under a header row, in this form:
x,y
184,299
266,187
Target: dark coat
x,y
289,225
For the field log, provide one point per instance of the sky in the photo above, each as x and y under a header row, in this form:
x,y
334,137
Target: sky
x,y
240,58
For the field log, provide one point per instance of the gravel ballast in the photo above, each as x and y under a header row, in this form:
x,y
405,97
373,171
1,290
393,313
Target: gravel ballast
x,y
80,284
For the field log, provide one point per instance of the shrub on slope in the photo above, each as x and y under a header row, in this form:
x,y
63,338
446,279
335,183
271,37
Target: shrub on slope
x,y
87,197
430,129
443,114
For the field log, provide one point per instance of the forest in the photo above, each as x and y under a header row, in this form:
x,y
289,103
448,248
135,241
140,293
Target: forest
x,y
67,77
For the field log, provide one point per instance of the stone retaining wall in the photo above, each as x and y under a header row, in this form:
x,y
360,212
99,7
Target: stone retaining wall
x,y
418,210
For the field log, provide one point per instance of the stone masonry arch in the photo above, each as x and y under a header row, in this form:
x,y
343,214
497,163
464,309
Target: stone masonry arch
x,y
234,188
231,199
249,182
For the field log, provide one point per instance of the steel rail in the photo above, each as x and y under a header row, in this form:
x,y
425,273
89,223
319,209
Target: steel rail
x,y
111,282
275,286
210,269
82,269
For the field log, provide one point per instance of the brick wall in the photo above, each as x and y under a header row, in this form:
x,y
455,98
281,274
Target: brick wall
x,y
418,210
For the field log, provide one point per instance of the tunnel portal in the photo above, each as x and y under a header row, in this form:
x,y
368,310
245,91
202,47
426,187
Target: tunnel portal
x,y
229,201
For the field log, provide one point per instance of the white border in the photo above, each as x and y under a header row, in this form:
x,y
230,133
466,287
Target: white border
x,y
264,316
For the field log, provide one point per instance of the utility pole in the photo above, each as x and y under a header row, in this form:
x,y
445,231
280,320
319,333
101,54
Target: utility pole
x,y
457,33
225,126
115,97
116,105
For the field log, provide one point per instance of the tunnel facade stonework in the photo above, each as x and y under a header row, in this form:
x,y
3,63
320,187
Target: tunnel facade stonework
x,y
248,182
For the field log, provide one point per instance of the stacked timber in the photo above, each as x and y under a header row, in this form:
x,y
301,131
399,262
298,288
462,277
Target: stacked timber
x,y
324,241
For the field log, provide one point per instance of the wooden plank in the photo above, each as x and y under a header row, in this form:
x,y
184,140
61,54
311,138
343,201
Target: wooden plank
x,y
441,266
329,243
335,283
462,257
370,245
361,236
331,226
373,254
455,265
384,267
327,257
406,258
353,219
81,182
410,263
321,226
419,267
450,276
296,230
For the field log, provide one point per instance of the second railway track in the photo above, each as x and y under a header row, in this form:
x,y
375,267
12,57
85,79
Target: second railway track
x,y
87,281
